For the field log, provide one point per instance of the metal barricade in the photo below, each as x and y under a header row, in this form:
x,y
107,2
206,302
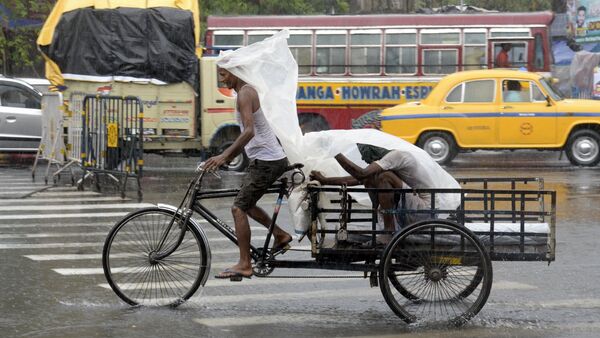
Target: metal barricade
x,y
52,147
111,139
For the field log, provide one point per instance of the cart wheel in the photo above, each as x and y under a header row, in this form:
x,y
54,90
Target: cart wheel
x,y
435,271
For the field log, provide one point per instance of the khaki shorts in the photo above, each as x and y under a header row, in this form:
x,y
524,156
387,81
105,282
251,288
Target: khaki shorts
x,y
261,175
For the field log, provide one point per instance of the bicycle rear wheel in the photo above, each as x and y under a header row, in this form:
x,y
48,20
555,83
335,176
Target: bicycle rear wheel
x,y
435,271
140,280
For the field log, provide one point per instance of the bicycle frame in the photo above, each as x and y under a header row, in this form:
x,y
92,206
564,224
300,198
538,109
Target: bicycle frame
x,y
193,195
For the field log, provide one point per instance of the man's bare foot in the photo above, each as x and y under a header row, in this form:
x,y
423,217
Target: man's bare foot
x,y
235,271
282,241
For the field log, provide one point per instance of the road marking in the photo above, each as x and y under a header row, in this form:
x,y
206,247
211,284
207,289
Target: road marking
x,y
589,303
67,193
22,188
510,285
61,225
61,200
100,271
295,318
77,215
75,207
73,257
255,281
359,292
53,234
13,179
48,245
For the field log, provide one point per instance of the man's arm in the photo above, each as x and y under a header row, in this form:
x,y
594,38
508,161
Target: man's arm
x,y
347,180
246,101
356,171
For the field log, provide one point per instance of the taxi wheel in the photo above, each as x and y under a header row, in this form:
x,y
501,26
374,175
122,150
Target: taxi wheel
x,y
439,145
583,148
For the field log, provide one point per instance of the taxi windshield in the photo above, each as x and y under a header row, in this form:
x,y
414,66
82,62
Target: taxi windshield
x,y
554,93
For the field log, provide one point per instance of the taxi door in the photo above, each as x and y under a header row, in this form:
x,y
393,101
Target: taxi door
x,y
525,116
471,109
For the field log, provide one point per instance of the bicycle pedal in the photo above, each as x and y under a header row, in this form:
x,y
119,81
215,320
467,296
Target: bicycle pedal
x,y
235,278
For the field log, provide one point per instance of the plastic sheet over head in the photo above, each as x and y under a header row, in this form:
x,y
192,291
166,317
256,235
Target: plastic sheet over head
x,y
269,67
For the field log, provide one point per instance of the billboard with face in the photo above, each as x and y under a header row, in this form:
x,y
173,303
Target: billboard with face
x,y
584,20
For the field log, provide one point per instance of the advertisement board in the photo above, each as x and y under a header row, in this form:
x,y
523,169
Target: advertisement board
x,y
583,20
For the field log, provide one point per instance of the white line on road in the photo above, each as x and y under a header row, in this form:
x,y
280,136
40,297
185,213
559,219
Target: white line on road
x,y
77,215
67,193
59,225
99,244
75,207
22,188
295,318
74,257
61,200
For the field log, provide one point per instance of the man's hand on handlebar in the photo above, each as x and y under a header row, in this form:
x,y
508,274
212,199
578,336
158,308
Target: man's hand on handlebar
x,y
214,163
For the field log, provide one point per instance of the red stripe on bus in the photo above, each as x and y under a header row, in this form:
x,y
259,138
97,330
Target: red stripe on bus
x,y
219,110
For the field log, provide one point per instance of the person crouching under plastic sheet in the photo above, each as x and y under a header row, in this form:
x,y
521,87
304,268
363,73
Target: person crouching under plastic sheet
x,y
267,163
389,169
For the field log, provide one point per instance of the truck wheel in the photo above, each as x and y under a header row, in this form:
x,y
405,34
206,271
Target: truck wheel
x,y
583,148
439,145
239,163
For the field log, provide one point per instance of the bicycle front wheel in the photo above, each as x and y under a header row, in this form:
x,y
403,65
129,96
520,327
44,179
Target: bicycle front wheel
x,y
139,279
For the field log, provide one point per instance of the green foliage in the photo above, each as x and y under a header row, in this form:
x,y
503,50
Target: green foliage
x,y
18,51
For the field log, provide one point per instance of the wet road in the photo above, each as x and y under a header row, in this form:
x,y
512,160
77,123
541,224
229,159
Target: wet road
x,y
53,286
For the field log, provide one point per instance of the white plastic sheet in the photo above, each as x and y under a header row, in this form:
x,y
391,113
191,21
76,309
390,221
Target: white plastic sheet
x,y
270,68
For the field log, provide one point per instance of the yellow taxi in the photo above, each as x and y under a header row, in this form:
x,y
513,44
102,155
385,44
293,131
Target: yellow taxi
x,y
498,109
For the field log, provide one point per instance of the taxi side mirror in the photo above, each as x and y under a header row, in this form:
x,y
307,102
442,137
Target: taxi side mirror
x,y
548,102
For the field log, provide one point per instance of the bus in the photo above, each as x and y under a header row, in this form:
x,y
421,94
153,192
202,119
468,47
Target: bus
x,y
352,66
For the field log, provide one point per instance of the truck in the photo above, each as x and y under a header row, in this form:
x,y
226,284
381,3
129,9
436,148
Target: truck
x,y
149,51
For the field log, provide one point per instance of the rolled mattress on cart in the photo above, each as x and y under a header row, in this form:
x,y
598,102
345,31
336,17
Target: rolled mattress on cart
x,y
506,236
510,233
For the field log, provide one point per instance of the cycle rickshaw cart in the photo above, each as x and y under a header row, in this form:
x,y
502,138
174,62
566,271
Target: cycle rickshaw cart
x,y
438,269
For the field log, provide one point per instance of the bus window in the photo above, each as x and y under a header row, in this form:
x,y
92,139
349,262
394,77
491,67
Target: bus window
x,y
440,37
331,52
440,61
400,51
508,33
255,36
300,43
517,56
474,52
228,40
365,52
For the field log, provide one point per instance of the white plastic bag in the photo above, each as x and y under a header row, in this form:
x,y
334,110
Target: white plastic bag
x,y
269,67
